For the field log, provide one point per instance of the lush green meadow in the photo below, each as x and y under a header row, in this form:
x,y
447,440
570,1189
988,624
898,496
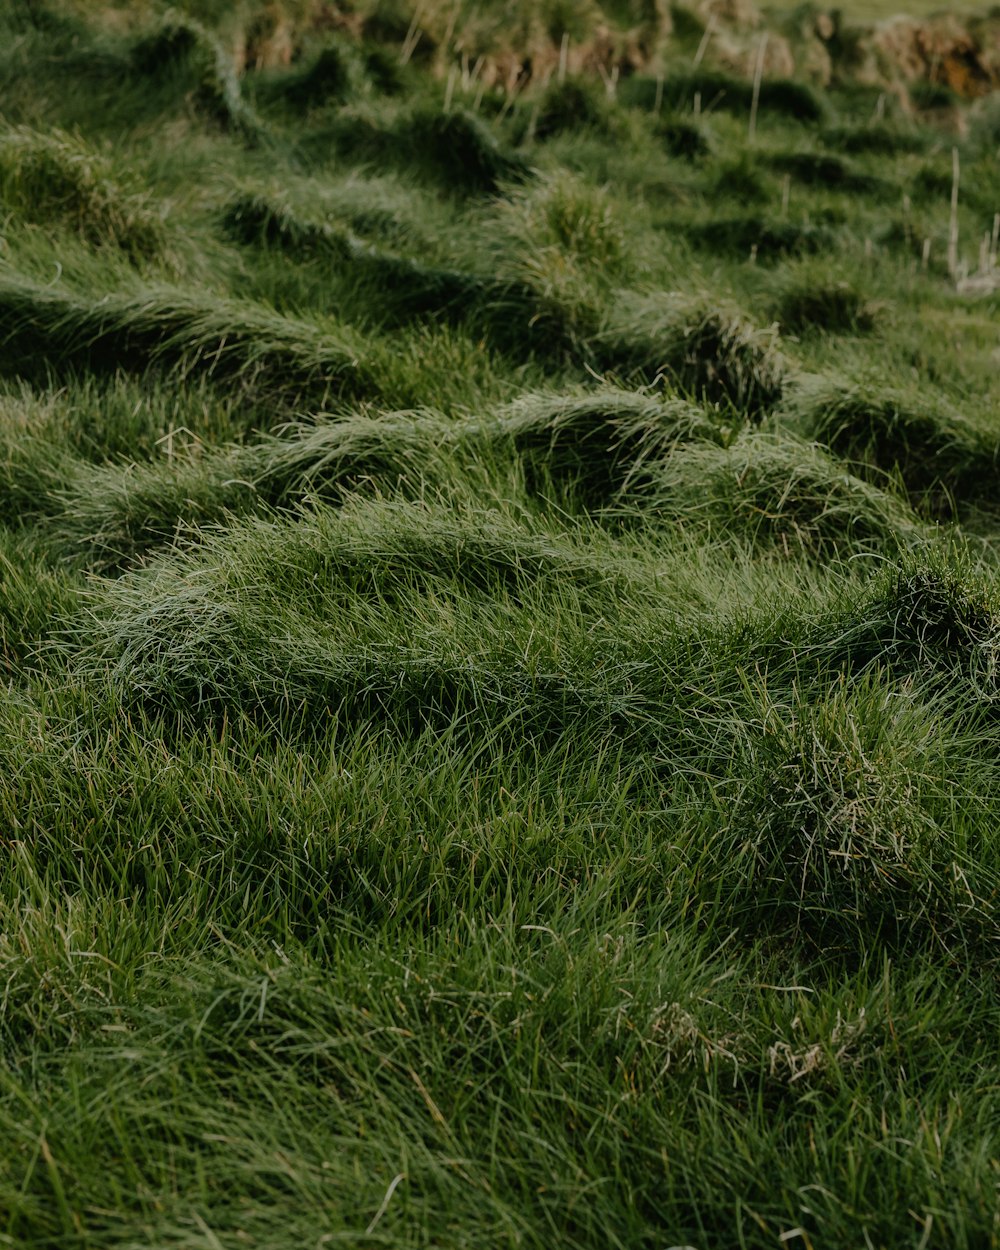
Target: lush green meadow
x,y
499,655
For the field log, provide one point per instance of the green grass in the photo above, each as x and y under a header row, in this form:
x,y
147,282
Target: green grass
x,y
499,646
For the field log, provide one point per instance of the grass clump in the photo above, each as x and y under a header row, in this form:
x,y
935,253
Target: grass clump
x,y
328,77
923,620
811,303
939,454
825,170
681,137
777,491
333,637
721,91
456,151
57,179
747,235
844,832
573,105
112,515
597,445
713,353
181,55
874,140
48,331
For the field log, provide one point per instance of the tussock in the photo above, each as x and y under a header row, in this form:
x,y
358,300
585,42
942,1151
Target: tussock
x,y
713,352
924,622
874,140
719,91
456,150
599,444
749,235
813,304
510,310
56,179
113,515
183,52
683,138
379,623
573,105
939,453
47,331
839,831
776,490
824,170
329,77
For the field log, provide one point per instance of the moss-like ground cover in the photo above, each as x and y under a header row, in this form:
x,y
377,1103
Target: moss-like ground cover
x,y
499,655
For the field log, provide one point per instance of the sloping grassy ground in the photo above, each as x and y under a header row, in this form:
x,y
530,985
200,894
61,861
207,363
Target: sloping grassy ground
x,y
499,633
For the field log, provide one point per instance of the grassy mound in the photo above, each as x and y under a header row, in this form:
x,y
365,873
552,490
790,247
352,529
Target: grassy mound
x,y
777,491
46,331
595,445
812,302
844,833
572,105
873,140
925,621
328,77
938,452
113,515
181,55
398,287
715,354
56,179
455,151
752,236
825,170
360,622
720,91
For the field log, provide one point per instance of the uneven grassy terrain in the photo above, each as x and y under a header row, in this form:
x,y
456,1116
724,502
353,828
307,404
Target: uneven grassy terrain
x,y
500,654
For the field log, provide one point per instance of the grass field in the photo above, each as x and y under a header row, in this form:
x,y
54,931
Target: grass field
x,y
500,653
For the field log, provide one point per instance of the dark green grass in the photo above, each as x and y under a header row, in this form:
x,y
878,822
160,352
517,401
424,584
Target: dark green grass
x,y
943,456
712,351
721,91
455,151
498,684
52,178
49,332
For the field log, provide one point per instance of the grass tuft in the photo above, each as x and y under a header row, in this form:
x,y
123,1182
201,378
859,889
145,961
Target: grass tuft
x,y
456,151
714,353
56,179
940,454
182,53
596,445
777,491
48,331
781,97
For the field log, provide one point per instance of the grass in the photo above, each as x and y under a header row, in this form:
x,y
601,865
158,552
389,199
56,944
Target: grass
x,y
499,635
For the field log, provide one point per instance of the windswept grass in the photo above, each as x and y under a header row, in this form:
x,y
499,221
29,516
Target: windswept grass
x,y
942,456
499,636
47,332
713,352
56,179
597,445
776,490
455,151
